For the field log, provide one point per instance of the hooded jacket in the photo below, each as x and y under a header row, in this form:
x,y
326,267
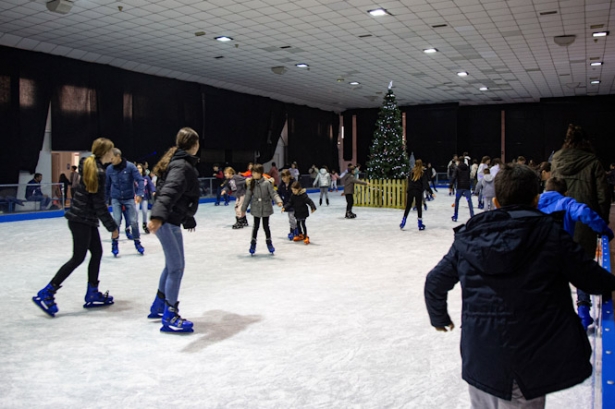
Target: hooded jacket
x,y
121,181
515,265
551,202
323,179
349,181
586,181
261,196
300,203
487,186
88,208
462,176
177,197
236,185
285,191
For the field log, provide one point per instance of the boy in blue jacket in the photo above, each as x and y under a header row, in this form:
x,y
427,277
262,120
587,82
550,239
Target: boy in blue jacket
x,y
554,200
521,337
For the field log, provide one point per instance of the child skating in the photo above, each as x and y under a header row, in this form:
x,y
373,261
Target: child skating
x,y
236,185
260,194
417,183
285,192
349,181
300,201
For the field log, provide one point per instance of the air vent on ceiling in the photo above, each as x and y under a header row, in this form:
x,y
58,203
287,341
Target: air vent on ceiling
x,y
564,75
285,47
594,58
596,26
219,57
532,70
199,33
439,25
548,13
365,36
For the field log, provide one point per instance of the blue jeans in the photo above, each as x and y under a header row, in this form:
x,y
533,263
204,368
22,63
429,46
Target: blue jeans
x,y
40,198
467,193
130,213
172,242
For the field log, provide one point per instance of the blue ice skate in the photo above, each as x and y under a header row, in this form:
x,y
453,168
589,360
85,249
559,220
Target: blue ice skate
x,y
94,298
403,223
454,218
172,322
139,247
585,316
421,225
115,247
292,234
270,246
252,247
157,308
129,234
46,301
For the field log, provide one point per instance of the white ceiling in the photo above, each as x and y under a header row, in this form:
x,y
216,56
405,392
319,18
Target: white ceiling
x,y
507,46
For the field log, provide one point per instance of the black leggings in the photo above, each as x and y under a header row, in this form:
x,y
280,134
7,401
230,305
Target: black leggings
x,y
301,227
85,238
257,223
349,202
418,199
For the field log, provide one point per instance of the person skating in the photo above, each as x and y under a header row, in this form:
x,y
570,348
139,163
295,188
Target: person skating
x,y
236,185
87,208
461,179
349,181
417,184
301,203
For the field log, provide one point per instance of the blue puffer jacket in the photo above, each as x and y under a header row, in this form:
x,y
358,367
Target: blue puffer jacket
x,y
551,202
121,181
518,321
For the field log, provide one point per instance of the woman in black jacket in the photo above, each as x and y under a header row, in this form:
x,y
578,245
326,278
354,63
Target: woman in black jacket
x,y
177,200
88,206
417,184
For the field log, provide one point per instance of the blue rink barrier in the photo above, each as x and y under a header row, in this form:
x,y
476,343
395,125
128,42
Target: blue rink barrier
x,y
607,329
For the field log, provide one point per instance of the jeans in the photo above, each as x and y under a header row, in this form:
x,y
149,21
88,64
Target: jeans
x,y
85,238
467,193
144,208
45,200
172,242
130,213
219,196
291,219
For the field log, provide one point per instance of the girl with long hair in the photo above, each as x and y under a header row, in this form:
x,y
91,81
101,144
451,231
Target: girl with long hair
x,y
177,200
417,184
87,208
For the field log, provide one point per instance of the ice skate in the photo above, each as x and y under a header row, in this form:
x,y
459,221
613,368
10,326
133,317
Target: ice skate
x,y
129,234
46,301
320,202
172,322
252,247
244,221
403,223
425,206
157,308
454,218
306,240
585,315
299,237
145,229
327,202
139,247
352,215
115,247
421,225
94,298
291,235
348,215
238,224
270,246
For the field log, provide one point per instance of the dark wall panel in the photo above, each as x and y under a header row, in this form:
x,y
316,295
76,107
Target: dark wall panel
x,y
479,131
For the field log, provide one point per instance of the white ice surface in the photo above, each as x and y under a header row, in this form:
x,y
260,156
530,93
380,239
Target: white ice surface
x,y
340,323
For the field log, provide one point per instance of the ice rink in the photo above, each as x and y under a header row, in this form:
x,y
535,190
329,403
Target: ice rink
x,y
339,323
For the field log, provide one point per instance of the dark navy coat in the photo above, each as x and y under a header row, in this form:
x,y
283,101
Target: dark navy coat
x,y
518,320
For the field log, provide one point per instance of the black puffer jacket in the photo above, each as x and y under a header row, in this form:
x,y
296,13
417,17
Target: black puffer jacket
x,y
88,207
462,176
301,203
518,320
177,197
419,185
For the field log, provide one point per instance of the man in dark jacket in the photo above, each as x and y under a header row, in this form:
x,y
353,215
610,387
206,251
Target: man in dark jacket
x,y
521,338
461,177
122,179
34,192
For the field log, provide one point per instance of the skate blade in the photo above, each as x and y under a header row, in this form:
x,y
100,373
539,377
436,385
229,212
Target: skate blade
x,y
42,306
153,316
171,330
97,305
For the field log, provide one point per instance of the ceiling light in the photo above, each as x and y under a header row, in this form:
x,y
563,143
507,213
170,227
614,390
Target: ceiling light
x,y
483,89
596,64
430,50
600,34
302,65
564,40
223,38
378,12
462,74
595,82
199,33
354,83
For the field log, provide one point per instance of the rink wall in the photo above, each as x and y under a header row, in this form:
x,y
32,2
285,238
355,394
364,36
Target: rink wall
x,y
606,330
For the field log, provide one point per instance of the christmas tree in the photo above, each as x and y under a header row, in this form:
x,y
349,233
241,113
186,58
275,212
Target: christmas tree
x,y
388,157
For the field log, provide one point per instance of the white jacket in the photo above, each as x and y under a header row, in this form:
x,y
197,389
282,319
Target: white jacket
x,y
323,179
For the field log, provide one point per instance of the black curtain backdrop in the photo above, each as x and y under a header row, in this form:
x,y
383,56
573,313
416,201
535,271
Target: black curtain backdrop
x,y
309,140
478,132
431,133
347,142
366,125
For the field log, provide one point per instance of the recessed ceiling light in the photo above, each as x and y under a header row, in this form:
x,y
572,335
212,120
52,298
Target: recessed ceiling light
x,y
596,64
600,34
483,89
378,12
223,38
430,50
302,65
462,74
354,83
595,82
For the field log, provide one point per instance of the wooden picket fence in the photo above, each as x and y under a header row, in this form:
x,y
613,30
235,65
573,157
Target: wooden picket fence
x,y
381,193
